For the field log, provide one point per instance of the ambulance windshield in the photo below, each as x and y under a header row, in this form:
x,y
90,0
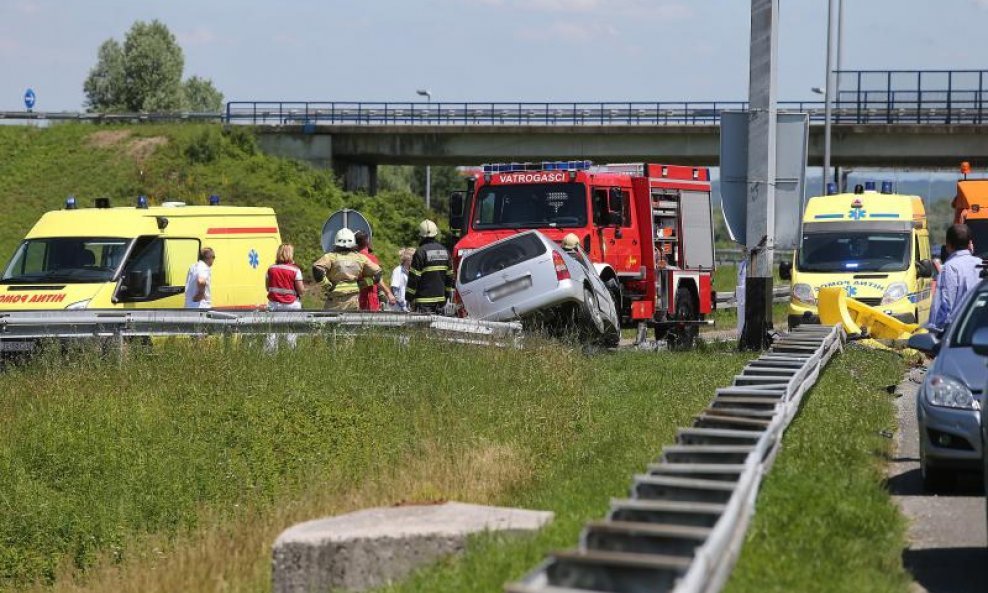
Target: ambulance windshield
x,y
844,251
71,260
531,206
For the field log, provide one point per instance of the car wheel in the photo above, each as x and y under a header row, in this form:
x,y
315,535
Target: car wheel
x,y
591,312
683,337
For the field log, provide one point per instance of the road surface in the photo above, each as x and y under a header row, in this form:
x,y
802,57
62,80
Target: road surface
x,y
947,541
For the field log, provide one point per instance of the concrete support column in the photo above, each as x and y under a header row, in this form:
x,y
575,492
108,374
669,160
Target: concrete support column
x,y
356,176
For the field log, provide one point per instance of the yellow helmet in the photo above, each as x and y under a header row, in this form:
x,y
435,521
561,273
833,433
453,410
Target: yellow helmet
x,y
571,242
428,229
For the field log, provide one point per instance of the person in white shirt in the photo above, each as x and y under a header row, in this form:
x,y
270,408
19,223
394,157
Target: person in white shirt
x,y
199,280
399,278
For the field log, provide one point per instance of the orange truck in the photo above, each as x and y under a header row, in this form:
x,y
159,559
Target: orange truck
x,y
971,208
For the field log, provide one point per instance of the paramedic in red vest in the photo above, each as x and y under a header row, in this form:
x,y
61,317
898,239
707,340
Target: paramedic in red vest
x,y
371,289
285,288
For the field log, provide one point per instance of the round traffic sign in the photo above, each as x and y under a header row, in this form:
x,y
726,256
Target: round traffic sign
x,y
29,98
345,218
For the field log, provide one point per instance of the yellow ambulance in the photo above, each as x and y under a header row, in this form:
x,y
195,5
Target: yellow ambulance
x,y
875,245
138,257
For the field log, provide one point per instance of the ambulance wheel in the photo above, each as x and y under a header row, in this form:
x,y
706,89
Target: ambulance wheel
x,y
683,336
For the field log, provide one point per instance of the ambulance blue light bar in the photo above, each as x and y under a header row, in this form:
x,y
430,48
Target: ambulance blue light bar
x,y
540,166
886,187
831,188
869,186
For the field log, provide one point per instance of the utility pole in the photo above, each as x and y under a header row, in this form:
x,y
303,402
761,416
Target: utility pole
x,y
761,173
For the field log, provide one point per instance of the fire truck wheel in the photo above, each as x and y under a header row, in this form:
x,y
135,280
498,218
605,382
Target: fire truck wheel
x,y
683,337
614,287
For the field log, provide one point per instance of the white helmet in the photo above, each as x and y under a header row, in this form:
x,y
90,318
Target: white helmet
x,y
571,242
345,239
428,229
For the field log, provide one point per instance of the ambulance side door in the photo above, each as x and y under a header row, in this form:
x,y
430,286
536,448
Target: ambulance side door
x,y
923,285
154,275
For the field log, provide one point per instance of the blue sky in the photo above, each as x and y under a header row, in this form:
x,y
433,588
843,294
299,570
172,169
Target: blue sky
x,y
531,50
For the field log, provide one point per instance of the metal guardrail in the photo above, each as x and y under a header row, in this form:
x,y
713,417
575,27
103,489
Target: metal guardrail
x,y
682,528
728,300
20,330
876,97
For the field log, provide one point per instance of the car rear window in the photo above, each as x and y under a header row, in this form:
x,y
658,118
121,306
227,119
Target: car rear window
x,y
503,255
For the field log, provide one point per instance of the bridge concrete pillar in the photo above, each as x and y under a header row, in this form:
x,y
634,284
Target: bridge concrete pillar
x,y
356,176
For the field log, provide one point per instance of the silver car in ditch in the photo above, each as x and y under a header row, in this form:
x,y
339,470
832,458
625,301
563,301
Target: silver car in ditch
x,y
529,277
950,400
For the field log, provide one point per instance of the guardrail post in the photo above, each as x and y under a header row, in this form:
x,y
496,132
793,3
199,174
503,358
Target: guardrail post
x,y
950,89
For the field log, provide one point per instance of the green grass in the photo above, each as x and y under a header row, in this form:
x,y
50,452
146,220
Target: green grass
x,y
103,465
824,521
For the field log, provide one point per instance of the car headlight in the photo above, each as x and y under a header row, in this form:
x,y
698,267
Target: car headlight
x,y
803,293
894,292
79,304
948,392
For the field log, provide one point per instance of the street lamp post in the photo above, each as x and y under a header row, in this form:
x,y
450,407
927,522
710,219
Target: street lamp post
x,y
828,94
428,169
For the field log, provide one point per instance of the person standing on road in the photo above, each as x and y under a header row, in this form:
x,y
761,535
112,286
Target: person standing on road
x,y
399,278
285,288
430,277
199,280
960,273
341,270
372,290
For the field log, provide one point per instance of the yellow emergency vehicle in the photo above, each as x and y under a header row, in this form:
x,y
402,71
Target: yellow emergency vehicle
x,y
139,257
875,245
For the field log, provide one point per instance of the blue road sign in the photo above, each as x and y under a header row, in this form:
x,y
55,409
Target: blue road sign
x,y
29,98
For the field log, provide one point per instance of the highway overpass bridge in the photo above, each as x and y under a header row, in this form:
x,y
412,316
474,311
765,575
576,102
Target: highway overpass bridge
x,y
355,150
886,118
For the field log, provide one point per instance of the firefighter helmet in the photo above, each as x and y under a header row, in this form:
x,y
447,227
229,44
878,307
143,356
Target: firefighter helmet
x,y
571,242
345,239
428,229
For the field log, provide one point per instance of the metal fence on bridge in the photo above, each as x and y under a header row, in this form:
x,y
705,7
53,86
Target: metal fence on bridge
x,y
871,97
863,97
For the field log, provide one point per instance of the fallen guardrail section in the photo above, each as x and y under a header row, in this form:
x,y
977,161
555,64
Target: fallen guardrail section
x,y
682,528
21,330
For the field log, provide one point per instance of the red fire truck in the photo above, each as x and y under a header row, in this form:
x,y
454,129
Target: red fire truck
x,y
646,226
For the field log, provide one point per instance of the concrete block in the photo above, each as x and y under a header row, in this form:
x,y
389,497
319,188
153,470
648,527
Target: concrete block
x,y
374,547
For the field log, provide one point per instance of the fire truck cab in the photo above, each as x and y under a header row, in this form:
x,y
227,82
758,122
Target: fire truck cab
x,y
647,228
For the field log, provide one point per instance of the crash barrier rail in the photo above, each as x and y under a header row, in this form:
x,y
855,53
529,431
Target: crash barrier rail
x,y
734,256
682,528
728,300
21,330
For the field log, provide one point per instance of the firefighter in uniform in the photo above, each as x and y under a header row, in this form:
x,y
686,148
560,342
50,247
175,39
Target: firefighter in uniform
x,y
344,271
430,279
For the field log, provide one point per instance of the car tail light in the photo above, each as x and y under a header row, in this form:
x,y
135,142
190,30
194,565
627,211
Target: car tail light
x,y
562,272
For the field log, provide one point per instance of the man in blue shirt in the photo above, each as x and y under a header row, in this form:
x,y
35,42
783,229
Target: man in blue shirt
x,y
959,274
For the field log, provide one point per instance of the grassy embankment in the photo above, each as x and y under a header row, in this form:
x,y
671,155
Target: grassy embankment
x,y
824,522
39,167
177,471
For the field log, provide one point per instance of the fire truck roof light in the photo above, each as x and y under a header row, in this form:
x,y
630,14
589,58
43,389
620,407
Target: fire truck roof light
x,y
886,187
831,188
539,166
